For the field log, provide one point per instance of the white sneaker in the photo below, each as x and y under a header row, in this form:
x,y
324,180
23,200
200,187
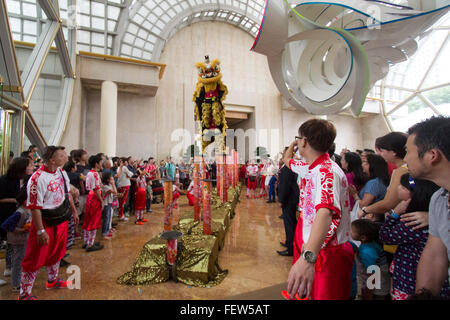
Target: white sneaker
x,y
124,218
7,273
2,282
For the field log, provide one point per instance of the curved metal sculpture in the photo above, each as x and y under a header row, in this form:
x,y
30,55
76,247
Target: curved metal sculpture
x,y
324,54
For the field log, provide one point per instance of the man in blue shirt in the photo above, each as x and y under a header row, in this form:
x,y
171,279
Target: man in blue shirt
x,y
170,168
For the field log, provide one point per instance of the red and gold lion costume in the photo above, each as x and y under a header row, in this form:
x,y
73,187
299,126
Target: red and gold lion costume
x,y
208,97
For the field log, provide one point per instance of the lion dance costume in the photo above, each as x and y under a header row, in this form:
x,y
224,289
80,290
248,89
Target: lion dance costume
x,y
208,97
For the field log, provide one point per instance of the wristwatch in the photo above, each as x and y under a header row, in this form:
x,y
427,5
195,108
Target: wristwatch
x,y
393,214
364,210
39,232
309,256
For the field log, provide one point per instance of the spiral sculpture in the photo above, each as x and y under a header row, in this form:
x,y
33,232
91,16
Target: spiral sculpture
x,y
326,55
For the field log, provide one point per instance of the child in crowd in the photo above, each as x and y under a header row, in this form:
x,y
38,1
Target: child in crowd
x,y
252,173
370,253
148,196
415,195
18,226
123,185
262,167
273,180
94,205
175,196
140,198
108,193
190,193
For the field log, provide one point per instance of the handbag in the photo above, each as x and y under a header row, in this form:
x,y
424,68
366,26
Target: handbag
x,y
54,217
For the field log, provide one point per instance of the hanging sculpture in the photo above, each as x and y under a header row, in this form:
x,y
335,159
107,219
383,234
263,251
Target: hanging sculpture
x,y
324,54
209,110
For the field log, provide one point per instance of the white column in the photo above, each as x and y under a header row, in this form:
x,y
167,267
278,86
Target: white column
x,y
108,118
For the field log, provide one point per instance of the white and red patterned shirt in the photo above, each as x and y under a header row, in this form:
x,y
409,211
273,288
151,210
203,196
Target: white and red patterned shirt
x,y
323,185
252,170
93,181
151,169
45,189
141,182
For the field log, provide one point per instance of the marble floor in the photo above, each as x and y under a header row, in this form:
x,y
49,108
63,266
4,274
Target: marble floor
x,y
249,255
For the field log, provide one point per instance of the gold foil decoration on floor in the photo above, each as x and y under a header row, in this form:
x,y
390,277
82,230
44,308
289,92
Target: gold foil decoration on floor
x,y
197,261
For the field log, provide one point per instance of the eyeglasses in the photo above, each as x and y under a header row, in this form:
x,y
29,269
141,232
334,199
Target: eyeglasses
x,y
412,183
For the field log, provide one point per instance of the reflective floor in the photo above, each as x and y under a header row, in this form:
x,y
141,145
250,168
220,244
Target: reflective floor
x,y
249,255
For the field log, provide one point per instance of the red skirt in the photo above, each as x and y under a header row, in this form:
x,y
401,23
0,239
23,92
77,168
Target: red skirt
x,y
333,269
190,198
140,198
92,213
37,256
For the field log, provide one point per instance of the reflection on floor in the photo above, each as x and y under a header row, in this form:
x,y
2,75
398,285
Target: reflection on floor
x,y
249,255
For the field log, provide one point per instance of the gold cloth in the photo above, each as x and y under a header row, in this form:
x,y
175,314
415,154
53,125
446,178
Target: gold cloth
x,y
150,265
197,261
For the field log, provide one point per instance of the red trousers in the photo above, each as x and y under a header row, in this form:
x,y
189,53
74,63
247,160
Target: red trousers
x,y
251,185
122,200
139,200
37,256
333,269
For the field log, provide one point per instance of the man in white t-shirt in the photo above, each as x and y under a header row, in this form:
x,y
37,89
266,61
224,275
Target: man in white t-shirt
x,y
46,246
323,257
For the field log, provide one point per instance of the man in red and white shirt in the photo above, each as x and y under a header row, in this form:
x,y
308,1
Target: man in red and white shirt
x,y
323,258
46,244
151,169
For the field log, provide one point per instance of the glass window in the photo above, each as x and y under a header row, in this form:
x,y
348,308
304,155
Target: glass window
x,y
28,38
16,25
83,6
98,23
113,12
126,49
98,39
98,9
412,112
84,20
143,11
137,52
29,9
13,6
111,25
439,96
29,27
129,38
83,36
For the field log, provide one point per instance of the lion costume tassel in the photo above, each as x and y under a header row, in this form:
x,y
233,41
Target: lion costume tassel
x,y
208,97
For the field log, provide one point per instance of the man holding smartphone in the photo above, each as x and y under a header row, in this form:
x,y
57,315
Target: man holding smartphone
x,y
323,257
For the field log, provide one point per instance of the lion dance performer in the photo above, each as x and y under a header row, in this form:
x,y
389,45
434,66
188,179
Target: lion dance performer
x,y
208,97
